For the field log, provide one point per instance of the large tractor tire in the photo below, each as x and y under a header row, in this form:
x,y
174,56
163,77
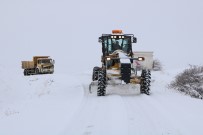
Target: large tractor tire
x,y
145,82
95,73
101,90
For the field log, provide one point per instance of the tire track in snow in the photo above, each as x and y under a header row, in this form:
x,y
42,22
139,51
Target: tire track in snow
x,y
99,116
146,118
120,113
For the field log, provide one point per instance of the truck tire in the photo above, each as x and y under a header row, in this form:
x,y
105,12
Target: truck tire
x,y
25,72
36,71
101,90
145,82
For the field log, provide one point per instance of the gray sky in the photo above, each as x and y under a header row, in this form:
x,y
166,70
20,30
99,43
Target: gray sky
x,y
69,30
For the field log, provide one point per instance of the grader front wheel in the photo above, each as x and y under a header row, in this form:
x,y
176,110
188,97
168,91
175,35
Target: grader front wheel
x,y
145,82
101,90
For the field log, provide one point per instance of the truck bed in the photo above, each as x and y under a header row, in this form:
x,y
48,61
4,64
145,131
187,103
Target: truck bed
x,y
27,64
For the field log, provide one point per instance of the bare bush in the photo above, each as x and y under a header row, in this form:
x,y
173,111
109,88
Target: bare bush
x,y
157,65
190,82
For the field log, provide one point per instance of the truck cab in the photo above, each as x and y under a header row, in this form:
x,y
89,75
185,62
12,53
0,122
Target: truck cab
x,y
45,65
114,45
117,41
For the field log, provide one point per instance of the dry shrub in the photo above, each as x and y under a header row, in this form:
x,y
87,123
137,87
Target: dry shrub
x,y
190,81
157,65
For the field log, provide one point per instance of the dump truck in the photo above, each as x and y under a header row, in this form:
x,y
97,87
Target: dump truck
x,y
39,65
118,64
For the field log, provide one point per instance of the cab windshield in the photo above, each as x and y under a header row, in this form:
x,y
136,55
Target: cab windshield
x,y
113,44
44,61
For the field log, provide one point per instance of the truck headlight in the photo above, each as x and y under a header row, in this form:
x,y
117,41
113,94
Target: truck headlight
x,y
108,58
140,58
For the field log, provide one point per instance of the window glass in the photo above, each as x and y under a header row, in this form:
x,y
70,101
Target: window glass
x,y
112,44
109,45
125,45
44,61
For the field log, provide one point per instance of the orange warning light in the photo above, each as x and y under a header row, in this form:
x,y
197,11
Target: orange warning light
x,y
117,32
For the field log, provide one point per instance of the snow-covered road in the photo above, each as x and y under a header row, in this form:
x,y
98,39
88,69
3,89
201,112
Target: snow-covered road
x,y
122,111
62,105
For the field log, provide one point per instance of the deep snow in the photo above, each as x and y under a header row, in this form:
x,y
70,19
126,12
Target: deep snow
x,y
60,104
68,31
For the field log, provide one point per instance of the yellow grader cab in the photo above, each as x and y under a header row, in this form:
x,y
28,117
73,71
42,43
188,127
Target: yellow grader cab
x,y
118,64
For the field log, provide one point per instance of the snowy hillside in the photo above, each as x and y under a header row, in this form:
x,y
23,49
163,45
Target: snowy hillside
x,y
59,104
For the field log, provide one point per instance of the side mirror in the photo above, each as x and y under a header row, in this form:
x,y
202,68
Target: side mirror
x,y
100,40
134,40
53,61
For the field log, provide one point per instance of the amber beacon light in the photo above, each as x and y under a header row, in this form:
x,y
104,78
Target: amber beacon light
x,y
117,31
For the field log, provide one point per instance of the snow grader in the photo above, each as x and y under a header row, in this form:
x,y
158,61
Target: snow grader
x,y
118,66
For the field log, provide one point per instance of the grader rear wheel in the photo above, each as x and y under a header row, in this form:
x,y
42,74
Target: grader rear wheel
x,y
145,82
95,73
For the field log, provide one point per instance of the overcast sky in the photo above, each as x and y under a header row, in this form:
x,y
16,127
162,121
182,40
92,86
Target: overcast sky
x,y
69,30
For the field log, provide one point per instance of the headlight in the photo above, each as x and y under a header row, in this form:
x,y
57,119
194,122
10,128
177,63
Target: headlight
x,y
140,58
108,58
